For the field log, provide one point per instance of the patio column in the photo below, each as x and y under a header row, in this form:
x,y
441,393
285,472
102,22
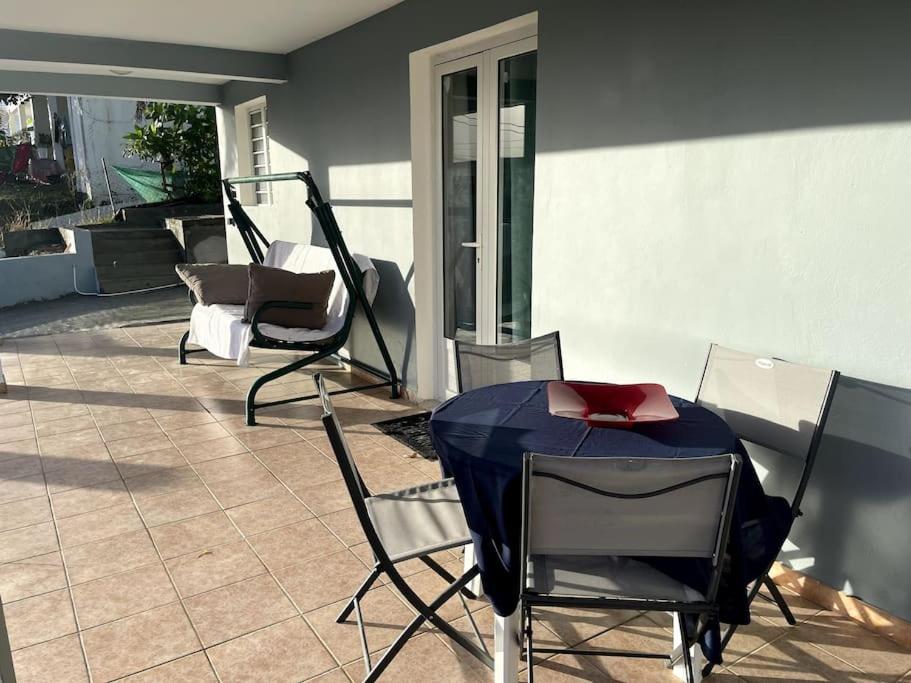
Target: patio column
x,y
2,380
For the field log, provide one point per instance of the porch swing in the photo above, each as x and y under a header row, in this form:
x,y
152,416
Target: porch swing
x,y
213,325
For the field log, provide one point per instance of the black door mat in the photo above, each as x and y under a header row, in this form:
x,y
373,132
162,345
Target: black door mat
x,y
412,431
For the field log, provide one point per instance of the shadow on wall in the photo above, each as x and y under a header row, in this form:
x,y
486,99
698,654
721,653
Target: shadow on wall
x,y
655,71
395,315
853,535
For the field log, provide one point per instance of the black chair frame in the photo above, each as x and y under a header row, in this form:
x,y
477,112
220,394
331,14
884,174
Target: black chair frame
x,y
775,595
383,564
704,611
352,279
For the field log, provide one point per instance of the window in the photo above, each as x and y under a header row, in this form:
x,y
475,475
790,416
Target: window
x,y
259,151
252,126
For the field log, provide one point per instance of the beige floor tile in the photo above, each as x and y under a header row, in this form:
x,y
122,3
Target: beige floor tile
x,y
165,480
345,525
299,542
198,533
639,635
425,658
384,618
300,464
791,659
206,570
571,669
187,436
120,595
428,585
39,618
29,541
152,462
246,489
231,467
26,512
57,661
125,430
239,608
269,513
322,581
285,652
325,498
194,668
65,426
173,507
847,640
801,608
22,488
139,642
135,445
15,419
81,473
573,626
97,525
109,556
209,450
32,576
78,501
178,419
20,466
265,436
19,433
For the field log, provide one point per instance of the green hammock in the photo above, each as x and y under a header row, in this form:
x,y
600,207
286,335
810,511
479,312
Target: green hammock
x,y
148,183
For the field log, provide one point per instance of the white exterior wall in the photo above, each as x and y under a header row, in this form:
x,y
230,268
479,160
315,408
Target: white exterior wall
x,y
789,243
98,126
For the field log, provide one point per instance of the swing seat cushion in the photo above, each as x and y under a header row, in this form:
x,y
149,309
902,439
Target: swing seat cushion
x,y
215,283
220,328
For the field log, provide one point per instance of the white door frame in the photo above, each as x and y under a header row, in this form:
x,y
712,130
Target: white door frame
x,y
426,209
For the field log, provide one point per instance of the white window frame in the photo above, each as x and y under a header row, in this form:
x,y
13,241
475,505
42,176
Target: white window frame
x,y
248,194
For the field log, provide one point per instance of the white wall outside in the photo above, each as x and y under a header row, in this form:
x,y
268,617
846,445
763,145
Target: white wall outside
x,y
97,126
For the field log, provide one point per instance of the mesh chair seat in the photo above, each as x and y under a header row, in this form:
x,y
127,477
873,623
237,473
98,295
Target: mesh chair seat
x,y
417,521
617,578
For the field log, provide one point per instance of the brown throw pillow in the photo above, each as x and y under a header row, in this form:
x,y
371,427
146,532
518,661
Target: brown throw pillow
x,y
215,283
275,284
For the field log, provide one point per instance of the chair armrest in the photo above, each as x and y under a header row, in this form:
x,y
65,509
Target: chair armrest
x,y
254,321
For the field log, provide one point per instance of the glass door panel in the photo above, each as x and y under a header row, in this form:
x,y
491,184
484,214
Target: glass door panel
x,y
516,96
460,203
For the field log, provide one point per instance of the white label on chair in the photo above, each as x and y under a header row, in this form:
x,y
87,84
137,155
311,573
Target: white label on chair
x,y
765,363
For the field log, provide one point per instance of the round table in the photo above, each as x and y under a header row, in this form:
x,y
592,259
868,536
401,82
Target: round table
x,y
481,437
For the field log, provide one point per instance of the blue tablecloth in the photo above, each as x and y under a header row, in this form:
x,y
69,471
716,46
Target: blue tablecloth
x,y
481,436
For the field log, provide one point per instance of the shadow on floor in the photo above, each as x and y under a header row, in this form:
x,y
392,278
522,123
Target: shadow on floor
x,y
75,313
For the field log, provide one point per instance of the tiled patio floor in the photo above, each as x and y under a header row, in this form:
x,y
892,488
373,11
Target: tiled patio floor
x,y
146,533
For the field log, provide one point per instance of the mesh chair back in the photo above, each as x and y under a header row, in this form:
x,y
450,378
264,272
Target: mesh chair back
x,y
480,365
647,507
771,404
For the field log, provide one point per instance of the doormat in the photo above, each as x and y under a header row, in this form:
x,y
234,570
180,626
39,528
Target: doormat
x,y
412,431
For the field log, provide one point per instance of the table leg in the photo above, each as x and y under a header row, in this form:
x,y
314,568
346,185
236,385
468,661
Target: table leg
x,y
695,653
475,586
2,381
506,647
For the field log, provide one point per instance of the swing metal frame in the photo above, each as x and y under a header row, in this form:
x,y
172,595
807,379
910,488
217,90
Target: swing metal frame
x,y
352,279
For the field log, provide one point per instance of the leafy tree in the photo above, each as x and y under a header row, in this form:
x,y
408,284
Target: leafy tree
x,y
183,140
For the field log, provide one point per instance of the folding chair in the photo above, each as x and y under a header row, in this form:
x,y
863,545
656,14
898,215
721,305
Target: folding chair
x,y
400,526
778,410
479,365
586,522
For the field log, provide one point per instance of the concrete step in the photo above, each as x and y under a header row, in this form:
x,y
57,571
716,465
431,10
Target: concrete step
x,y
169,254
113,279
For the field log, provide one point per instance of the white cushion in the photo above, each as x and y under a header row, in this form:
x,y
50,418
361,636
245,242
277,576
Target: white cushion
x,y
220,327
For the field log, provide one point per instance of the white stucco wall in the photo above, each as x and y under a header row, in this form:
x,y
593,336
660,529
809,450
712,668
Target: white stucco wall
x,y
98,125
789,243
